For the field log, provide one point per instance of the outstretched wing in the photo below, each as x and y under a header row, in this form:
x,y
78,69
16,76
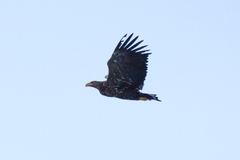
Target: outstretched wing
x,y
128,64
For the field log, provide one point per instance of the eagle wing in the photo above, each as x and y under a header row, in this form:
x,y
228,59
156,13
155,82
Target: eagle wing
x,y
128,64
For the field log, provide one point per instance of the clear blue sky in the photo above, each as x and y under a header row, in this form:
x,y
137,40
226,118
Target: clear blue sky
x,y
50,49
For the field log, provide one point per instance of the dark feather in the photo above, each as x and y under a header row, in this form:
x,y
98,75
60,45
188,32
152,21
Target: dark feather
x,y
127,68
132,42
135,45
124,44
135,50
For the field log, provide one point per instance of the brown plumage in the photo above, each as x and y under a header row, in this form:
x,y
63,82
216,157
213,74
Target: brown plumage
x,y
127,71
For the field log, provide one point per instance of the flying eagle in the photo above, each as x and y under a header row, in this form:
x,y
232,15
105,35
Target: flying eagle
x,y
127,71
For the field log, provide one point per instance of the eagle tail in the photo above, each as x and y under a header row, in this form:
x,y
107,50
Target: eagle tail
x,y
145,96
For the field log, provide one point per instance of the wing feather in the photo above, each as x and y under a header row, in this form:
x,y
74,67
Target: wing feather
x,y
124,44
135,45
131,42
139,48
127,67
120,42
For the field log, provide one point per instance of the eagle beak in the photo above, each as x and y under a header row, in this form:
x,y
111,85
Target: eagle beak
x,y
88,84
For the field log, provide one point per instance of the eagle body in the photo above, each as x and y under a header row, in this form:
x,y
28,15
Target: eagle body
x,y
127,71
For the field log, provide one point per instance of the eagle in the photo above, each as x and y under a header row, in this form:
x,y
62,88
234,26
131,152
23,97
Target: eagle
x,y
127,69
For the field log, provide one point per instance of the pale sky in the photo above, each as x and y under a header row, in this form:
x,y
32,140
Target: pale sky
x,y
50,49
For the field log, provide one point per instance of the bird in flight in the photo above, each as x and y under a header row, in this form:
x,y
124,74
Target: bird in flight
x,y
127,69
